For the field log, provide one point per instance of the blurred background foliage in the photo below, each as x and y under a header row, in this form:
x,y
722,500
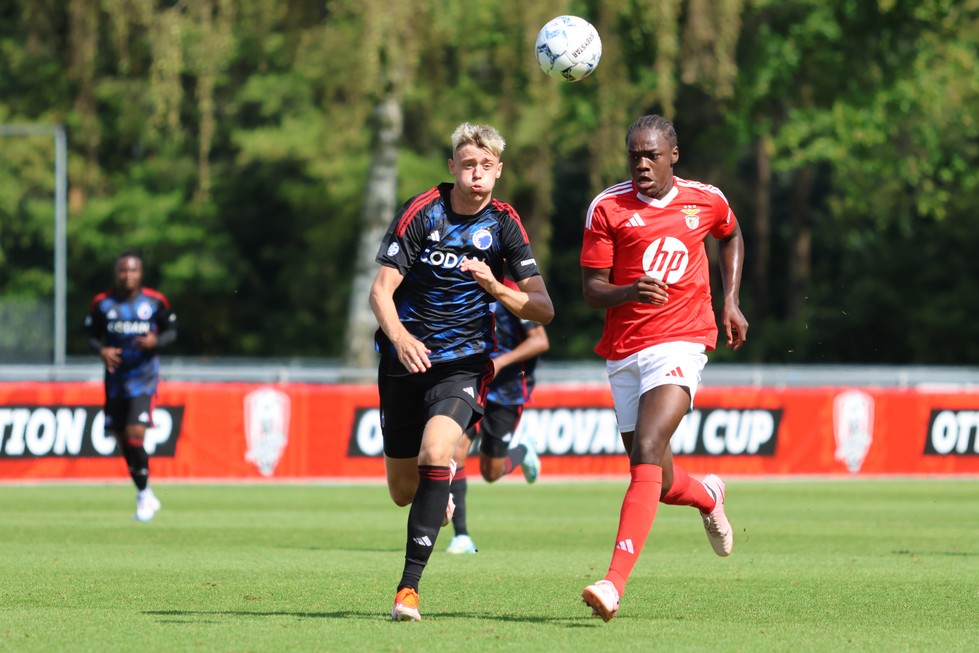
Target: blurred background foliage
x,y
231,143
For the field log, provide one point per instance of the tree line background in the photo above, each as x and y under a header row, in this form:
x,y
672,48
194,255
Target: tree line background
x,y
254,151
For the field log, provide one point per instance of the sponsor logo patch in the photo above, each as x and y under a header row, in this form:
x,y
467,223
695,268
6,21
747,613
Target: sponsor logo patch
x,y
666,259
442,259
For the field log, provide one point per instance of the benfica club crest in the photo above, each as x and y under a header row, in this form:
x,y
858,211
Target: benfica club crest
x,y
690,216
266,428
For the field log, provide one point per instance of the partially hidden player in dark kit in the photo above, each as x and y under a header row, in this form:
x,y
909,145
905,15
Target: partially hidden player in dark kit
x,y
502,448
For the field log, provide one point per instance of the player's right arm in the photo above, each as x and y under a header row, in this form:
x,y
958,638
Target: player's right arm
x,y
96,326
600,292
412,353
597,256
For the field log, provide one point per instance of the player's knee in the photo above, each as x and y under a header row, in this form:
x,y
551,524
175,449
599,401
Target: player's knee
x,y
402,488
438,456
401,496
648,451
491,470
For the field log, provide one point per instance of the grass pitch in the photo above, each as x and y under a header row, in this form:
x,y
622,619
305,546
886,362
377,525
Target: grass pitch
x,y
817,566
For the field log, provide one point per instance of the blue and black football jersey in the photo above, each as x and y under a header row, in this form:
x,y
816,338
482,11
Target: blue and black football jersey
x,y
513,385
437,303
116,322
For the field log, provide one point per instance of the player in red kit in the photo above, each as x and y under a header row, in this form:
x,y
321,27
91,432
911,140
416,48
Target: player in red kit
x,y
643,260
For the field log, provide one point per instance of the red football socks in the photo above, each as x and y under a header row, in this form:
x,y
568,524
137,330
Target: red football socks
x,y
688,491
635,520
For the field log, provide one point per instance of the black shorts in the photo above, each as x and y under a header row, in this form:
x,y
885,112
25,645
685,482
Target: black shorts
x,y
120,412
408,401
496,429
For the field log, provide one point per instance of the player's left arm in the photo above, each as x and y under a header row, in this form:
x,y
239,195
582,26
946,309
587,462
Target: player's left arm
x,y
731,249
530,301
167,334
166,330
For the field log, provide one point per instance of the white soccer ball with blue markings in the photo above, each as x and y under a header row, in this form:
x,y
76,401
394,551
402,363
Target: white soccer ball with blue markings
x,y
569,48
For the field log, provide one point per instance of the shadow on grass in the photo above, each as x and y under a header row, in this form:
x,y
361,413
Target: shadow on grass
x,y
348,549
954,554
200,616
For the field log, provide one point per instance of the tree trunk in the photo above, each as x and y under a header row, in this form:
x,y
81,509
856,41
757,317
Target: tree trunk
x,y
800,253
759,249
380,204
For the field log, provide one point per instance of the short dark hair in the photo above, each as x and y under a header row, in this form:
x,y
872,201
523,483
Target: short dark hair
x,y
129,253
657,123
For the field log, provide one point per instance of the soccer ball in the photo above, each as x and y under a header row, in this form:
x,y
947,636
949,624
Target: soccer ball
x,y
568,48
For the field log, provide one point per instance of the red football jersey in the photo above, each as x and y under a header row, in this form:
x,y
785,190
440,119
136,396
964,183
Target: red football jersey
x,y
632,235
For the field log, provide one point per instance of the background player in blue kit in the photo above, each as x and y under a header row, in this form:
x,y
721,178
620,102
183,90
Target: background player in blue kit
x,y
518,344
442,262
127,326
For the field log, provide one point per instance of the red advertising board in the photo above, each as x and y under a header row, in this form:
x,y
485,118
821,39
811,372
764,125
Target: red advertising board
x,y
312,431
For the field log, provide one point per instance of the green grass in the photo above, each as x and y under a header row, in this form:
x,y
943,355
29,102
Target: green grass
x,y
818,566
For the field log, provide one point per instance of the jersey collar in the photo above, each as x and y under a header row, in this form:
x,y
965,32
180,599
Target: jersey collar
x,y
660,203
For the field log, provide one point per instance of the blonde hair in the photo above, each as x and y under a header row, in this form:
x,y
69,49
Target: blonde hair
x,y
482,136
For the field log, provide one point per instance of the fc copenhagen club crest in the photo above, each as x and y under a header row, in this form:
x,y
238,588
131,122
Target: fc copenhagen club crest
x,y
483,239
266,428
